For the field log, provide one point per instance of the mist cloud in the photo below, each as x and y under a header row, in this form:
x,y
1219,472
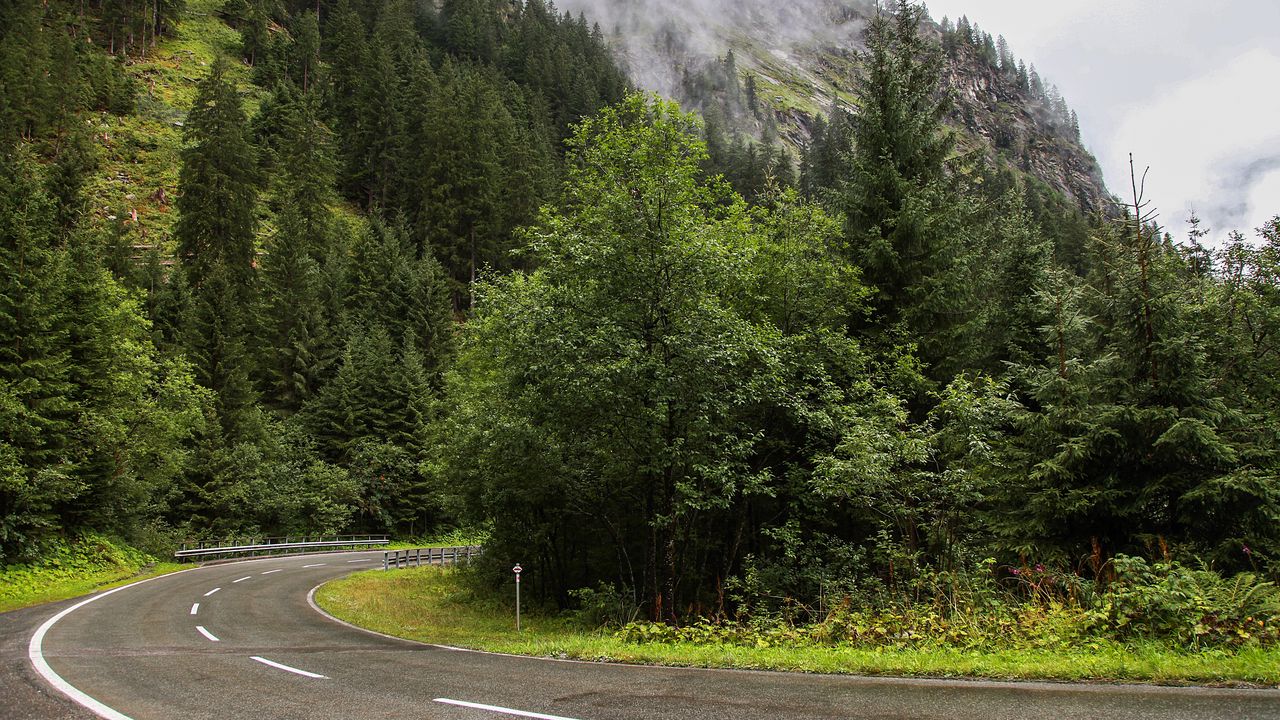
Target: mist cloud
x,y
658,37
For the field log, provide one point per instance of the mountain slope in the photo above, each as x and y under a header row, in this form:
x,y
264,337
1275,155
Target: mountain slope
x,y
798,61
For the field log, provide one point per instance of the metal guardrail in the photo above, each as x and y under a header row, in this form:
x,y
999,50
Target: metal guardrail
x,y
417,557
269,546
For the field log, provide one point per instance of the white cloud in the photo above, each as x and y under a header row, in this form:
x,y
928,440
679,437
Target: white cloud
x,y
1210,141
1185,85
1264,200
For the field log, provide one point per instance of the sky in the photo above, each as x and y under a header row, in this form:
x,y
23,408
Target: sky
x,y
1190,87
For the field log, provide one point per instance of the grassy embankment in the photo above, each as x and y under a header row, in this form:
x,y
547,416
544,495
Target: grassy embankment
x,y
433,606
89,564
139,155
94,563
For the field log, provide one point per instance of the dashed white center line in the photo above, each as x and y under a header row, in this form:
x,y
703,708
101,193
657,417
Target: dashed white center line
x,y
246,577
272,571
286,668
212,591
195,608
500,710
352,561
207,634
316,565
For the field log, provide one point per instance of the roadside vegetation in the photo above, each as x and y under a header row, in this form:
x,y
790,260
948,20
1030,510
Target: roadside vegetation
x,y
92,563
77,567
1139,631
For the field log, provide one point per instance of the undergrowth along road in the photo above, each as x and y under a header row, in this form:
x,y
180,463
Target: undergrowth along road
x,y
435,606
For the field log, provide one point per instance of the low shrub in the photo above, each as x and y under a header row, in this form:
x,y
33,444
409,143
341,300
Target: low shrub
x,y
1027,609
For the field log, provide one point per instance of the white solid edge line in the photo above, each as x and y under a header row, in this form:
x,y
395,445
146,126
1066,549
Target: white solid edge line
x,y
500,710
286,668
195,608
272,571
207,634
35,653
246,577
212,591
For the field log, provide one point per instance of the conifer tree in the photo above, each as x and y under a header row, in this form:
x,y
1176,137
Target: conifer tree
x,y
217,246
24,67
296,327
895,200
375,145
217,186
407,294
37,411
305,56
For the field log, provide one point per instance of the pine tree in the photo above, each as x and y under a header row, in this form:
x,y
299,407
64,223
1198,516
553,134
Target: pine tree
x,y
894,201
37,411
297,328
217,185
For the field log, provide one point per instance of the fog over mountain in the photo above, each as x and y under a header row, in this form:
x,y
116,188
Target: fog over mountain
x,y
654,33
801,59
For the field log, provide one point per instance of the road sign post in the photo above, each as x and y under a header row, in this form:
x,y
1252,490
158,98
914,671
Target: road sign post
x,y
517,569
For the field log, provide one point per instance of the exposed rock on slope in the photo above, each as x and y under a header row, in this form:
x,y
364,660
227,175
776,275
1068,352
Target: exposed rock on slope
x,y
800,59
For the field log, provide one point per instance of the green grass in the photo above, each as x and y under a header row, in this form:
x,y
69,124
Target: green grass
x,y
432,605
140,154
90,564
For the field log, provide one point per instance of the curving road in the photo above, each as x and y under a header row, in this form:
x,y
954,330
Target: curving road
x,y
242,641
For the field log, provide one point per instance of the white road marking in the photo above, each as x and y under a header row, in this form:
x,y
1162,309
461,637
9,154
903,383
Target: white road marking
x,y
272,571
246,577
316,565
212,591
207,634
195,608
286,668
351,561
35,653
500,710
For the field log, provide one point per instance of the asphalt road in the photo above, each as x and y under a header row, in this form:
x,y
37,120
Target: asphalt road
x,y
149,651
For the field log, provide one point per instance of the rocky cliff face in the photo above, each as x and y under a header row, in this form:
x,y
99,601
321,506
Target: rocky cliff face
x,y
799,60
1032,134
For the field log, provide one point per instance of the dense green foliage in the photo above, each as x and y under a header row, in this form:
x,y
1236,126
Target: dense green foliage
x,y
716,410
436,268
281,373
69,568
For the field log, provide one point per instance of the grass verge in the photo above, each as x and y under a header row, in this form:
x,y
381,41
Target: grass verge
x,y
432,605
90,564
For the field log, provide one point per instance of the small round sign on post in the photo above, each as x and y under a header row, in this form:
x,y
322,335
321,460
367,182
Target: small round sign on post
x,y
517,570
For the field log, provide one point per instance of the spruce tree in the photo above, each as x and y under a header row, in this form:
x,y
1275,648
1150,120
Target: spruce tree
x,y
37,411
218,185
217,246
297,331
895,202
24,67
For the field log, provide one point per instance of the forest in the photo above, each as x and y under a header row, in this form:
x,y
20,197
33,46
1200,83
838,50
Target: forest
x,y
438,265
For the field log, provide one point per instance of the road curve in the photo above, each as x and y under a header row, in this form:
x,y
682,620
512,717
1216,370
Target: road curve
x,y
241,641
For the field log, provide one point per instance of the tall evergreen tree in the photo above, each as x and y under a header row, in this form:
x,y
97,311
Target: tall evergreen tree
x,y
217,246
37,411
297,330
218,185
895,203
